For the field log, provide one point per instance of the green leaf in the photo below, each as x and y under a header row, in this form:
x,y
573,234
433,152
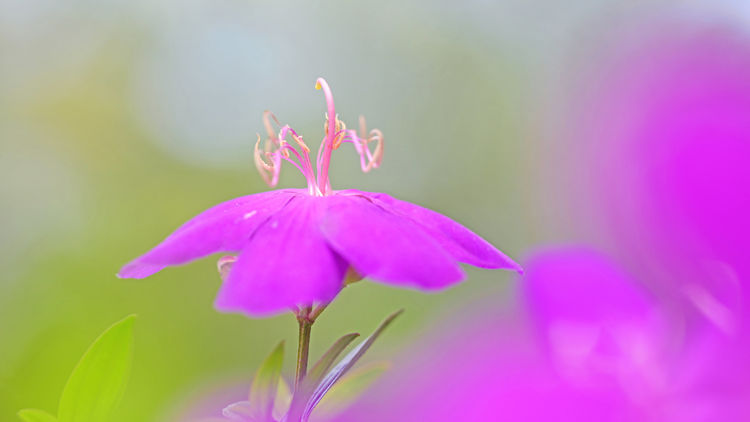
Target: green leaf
x,y
312,379
348,389
283,400
265,384
318,371
36,415
345,365
302,412
98,381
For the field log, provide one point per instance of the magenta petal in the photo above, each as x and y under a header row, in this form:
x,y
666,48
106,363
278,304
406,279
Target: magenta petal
x,y
386,246
463,244
288,263
225,227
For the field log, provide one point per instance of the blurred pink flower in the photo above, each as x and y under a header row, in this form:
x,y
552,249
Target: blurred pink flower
x,y
600,327
668,138
594,320
296,246
668,131
598,347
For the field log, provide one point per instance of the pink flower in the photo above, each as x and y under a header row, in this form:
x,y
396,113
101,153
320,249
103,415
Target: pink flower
x,y
602,328
598,346
663,332
668,137
295,246
668,133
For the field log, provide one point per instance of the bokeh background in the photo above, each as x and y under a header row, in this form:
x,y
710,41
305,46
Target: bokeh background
x,y
121,119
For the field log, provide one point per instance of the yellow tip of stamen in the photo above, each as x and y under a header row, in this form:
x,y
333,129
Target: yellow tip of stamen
x,y
317,85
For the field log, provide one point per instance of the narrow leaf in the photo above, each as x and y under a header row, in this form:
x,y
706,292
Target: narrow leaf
x,y
98,381
318,371
343,366
283,400
347,390
36,415
329,357
265,384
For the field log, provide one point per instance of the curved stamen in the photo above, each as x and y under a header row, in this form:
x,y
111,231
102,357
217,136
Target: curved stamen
x,y
377,156
305,167
277,148
368,160
267,115
268,172
284,151
338,135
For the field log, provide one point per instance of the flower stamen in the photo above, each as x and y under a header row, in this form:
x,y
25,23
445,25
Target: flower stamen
x,y
269,172
267,115
277,148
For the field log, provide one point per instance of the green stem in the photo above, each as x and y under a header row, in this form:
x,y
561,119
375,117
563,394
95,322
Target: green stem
x,y
305,318
303,347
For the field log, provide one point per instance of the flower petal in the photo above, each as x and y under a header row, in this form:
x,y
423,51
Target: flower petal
x,y
225,227
463,244
287,263
386,246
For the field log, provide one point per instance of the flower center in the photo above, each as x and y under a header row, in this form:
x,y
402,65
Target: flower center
x,y
276,148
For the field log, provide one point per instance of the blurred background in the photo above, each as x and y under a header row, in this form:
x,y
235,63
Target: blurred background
x,y
119,120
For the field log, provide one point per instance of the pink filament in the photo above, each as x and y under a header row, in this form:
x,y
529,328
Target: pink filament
x,y
323,182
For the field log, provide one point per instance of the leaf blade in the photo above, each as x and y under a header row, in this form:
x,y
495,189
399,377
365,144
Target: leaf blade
x,y
339,370
328,358
348,389
98,380
283,400
318,371
265,383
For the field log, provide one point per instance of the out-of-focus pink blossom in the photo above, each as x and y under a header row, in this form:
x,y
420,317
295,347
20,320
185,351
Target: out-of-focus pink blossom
x,y
598,347
668,137
663,332
667,134
486,368
602,327
595,322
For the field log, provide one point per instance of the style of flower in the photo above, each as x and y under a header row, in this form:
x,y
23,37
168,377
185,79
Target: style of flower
x,y
296,247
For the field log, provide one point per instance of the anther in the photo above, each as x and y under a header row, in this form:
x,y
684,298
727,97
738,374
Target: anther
x,y
300,142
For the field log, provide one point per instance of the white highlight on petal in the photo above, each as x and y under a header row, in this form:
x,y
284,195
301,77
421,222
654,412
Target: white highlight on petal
x,y
718,298
711,308
250,214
